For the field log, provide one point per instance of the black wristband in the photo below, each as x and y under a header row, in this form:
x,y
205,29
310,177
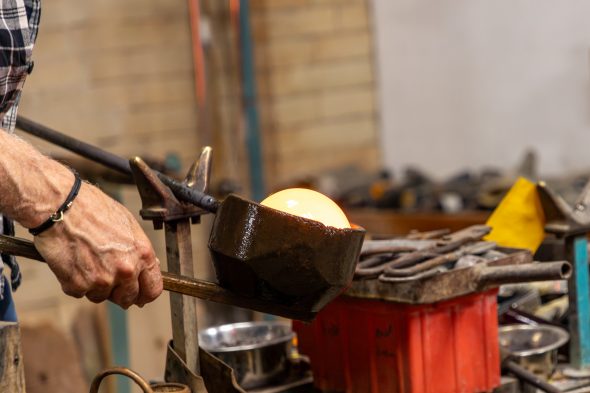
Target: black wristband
x,y
59,214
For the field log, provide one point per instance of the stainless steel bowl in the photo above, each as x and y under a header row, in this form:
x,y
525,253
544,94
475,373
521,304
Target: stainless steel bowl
x,y
534,347
259,352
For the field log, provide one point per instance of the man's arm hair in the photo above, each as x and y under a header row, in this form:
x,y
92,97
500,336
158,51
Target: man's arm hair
x,y
98,250
32,186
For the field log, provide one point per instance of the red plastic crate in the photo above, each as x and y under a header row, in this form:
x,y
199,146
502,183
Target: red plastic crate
x,y
361,346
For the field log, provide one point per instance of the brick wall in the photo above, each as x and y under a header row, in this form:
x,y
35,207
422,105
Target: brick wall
x,y
317,89
118,74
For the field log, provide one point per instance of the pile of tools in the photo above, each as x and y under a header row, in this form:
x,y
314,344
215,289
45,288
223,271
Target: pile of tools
x,y
421,315
426,267
423,254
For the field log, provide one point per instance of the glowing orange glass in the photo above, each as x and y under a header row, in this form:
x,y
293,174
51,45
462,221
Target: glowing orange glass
x,y
308,204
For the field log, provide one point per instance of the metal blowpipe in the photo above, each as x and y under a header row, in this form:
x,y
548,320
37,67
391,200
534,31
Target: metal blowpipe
x,y
110,160
175,283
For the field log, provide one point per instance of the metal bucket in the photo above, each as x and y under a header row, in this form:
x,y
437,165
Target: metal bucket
x,y
258,352
533,347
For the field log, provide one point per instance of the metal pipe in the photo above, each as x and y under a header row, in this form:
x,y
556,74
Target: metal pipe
x,y
253,137
110,160
179,284
189,195
497,275
528,377
84,149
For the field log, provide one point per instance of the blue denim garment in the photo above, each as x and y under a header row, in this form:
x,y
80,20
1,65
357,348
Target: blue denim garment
x,y
7,309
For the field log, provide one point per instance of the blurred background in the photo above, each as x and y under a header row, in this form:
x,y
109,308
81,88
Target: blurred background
x,y
403,111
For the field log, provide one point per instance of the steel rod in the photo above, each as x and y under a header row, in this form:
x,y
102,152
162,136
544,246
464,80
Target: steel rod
x,y
84,149
112,161
541,271
179,284
179,254
530,378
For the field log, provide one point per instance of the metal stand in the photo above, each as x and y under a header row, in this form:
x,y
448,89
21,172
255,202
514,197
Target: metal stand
x,y
579,300
185,363
573,226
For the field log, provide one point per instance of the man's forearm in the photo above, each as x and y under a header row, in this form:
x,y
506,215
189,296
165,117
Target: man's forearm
x,y
98,250
32,186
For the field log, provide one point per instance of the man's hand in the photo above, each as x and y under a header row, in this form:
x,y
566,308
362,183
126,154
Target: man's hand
x,y
98,250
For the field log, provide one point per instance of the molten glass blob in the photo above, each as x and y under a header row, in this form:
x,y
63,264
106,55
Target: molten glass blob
x,y
308,204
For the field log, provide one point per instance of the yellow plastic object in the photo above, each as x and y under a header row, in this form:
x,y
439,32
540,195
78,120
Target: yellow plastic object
x,y
308,204
518,221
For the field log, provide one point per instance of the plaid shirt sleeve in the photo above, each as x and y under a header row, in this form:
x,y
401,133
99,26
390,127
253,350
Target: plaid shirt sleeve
x,y
19,23
18,33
